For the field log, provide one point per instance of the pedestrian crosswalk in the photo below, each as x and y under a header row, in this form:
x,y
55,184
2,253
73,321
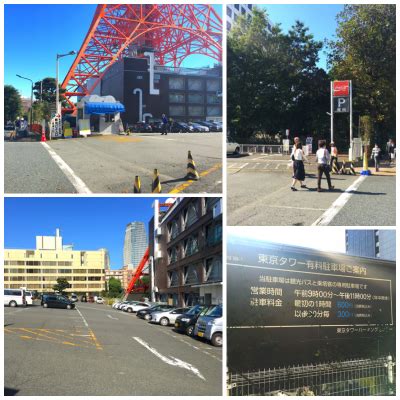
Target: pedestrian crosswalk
x,y
259,166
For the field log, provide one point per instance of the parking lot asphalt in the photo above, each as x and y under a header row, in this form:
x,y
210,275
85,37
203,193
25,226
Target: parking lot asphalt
x,y
109,164
258,193
96,350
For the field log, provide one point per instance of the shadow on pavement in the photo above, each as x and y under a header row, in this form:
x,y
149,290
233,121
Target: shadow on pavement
x,y
10,391
237,155
184,179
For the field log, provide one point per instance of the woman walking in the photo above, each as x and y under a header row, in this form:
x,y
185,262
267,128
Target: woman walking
x,y
323,158
298,167
376,155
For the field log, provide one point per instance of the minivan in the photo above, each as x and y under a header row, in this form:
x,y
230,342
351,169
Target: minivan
x,y
14,297
209,326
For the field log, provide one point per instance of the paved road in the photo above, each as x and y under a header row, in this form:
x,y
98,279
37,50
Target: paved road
x,y
109,164
28,168
259,194
100,351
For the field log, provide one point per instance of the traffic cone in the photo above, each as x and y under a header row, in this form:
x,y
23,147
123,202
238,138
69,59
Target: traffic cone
x,y
191,168
137,185
43,138
156,185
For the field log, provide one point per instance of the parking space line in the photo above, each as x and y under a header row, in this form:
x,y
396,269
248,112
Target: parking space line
x,y
109,316
77,182
327,217
176,362
185,185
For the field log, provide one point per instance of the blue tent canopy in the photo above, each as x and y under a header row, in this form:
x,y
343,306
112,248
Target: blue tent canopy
x,y
103,108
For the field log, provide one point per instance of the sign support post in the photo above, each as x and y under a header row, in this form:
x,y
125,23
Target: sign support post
x,y
331,111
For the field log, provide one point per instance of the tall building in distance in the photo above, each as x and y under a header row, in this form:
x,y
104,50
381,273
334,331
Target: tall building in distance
x,y
135,244
38,269
373,243
233,11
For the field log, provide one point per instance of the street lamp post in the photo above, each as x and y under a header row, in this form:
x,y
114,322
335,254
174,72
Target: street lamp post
x,y
22,77
58,108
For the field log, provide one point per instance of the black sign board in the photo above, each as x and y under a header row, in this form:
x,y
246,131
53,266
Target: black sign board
x,y
341,104
289,305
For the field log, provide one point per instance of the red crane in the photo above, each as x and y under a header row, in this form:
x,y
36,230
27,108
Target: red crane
x,y
138,273
173,31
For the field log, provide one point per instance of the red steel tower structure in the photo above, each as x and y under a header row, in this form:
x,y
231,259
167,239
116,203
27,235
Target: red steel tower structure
x,y
172,31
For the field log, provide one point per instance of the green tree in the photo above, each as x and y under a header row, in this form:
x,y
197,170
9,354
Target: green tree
x,y
45,90
114,287
274,82
365,52
62,284
12,103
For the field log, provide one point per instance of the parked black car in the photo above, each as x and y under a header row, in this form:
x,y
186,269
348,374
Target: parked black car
x,y
180,127
145,314
56,301
214,127
185,323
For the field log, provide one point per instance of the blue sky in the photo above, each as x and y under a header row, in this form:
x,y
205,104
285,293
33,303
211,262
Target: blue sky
x,y
319,18
35,33
87,223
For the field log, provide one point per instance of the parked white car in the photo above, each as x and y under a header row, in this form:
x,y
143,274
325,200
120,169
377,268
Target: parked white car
x,y
168,317
125,304
14,297
28,298
232,147
132,308
100,300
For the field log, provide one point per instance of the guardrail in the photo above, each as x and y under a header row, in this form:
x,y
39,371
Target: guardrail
x,y
360,377
262,148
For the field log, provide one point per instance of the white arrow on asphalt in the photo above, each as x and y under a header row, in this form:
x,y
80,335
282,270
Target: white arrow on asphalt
x,y
176,362
109,316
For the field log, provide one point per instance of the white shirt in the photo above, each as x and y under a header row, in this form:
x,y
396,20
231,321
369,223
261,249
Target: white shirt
x,y
298,154
323,156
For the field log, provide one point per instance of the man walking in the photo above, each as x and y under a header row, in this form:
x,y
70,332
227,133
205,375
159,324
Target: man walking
x,y
164,128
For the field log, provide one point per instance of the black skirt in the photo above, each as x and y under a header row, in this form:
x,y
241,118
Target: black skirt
x,y
298,170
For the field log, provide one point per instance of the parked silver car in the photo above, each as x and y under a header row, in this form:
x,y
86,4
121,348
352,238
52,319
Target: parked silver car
x,y
168,317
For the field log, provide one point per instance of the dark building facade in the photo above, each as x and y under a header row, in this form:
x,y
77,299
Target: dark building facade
x,y
188,253
375,243
148,91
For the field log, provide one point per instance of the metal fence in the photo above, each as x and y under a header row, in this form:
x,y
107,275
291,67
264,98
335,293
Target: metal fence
x,y
262,148
362,377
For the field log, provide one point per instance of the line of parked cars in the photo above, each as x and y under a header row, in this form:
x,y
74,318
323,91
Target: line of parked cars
x,y
176,126
202,321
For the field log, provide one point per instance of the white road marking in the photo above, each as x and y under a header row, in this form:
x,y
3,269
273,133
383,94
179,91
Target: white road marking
x,y
109,316
176,362
77,182
339,203
84,320
297,208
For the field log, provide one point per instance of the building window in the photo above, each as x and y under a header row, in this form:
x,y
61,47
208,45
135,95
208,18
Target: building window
x,y
196,98
176,98
214,99
176,83
176,111
213,272
229,26
237,6
191,246
30,253
173,278
190,275
214,234
173,230
243,10
173,255
191,299
196,111
191,215
229,11
214,111
195,84
213,85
